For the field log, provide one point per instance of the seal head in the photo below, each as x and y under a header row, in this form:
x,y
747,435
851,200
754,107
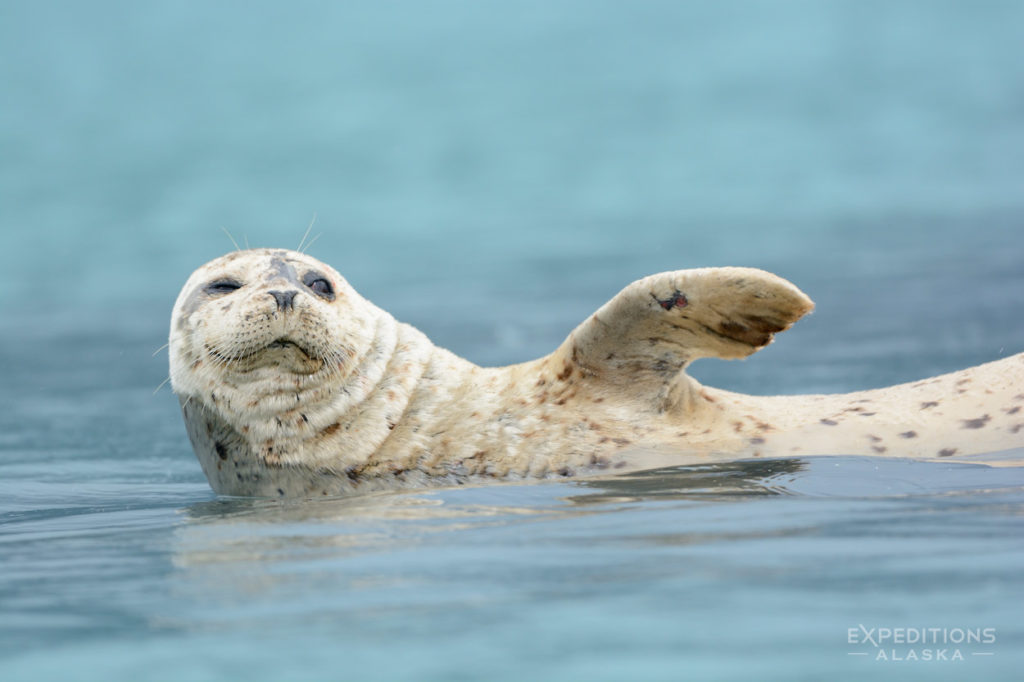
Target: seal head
x,y
270,351
252,325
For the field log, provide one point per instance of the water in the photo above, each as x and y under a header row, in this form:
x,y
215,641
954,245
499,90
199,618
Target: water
x,y
493,173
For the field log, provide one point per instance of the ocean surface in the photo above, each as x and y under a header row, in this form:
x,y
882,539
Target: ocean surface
x,y
492,173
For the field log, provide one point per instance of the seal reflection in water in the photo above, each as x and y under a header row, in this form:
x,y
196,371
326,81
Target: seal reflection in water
x,y
293,384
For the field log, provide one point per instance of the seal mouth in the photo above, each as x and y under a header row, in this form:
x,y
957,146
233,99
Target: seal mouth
x,y
281,355
283,345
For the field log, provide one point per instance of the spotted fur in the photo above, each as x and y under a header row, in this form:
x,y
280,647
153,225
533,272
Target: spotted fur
x,y
292,384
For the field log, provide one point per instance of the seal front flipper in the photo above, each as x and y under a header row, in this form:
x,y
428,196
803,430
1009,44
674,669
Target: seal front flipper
x,y
641,340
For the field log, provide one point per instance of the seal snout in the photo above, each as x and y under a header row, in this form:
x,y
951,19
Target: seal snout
x,y
285,299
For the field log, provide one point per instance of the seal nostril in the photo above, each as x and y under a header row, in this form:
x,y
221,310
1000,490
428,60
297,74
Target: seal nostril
x,y
285,299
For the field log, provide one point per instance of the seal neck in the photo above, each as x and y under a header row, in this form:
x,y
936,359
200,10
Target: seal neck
x,y
346,420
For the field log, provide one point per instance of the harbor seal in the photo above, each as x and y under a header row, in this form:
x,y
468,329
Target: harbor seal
x,y
292,384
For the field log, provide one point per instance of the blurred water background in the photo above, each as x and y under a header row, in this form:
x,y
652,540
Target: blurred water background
x,y
492,173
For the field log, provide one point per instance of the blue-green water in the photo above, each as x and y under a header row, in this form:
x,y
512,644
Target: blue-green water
x,y
493,172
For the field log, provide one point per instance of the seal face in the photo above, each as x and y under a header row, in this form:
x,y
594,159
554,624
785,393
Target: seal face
x,y
250,326
293,384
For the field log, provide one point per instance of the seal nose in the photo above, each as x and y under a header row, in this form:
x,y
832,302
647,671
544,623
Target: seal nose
x,y
285,299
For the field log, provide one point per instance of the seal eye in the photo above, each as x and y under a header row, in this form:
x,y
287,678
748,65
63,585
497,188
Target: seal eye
x,y
222,286
319,285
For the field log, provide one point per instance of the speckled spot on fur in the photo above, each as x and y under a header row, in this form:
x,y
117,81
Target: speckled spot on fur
x,y
676,300
756,440
927,404
947,452
908,434
1012,410
976,423
829,422
879,448
222,451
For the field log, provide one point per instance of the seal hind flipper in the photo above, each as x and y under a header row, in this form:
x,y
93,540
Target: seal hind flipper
x,y
648,333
